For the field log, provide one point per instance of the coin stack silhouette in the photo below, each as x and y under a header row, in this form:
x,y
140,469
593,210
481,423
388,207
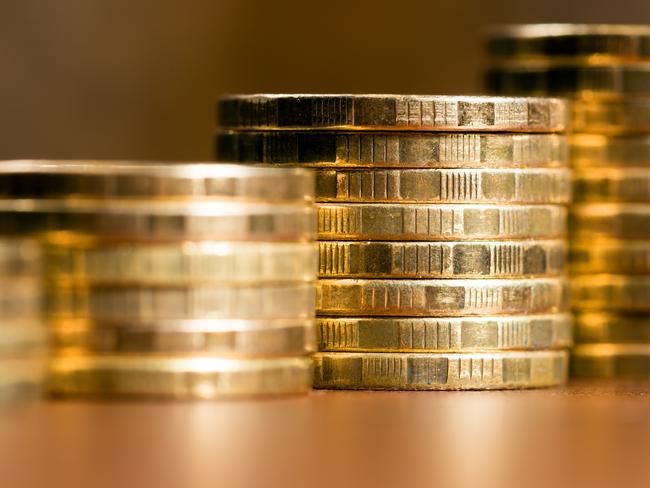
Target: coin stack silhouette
x,y
605,69
441,223
171,280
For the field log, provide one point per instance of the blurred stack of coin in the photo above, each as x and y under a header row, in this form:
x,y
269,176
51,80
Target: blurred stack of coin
x,y
173,280
605,69
442,224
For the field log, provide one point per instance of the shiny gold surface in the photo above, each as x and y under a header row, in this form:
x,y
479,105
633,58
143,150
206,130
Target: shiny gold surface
x,y
625,220
612,185
611,292
610,256
612,327
610,151
629,114
611,361
22,336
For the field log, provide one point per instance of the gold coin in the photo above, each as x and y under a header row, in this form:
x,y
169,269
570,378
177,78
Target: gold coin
x,y
441,298
199,377
19,257
21,298
224,221
449,334
440,371
631,114
444,185
612,185
611,292
143,302
263,338
22,336
383,112
614,151
184,262
612,327
394,149
624,220
21,378
597,42
394,222
611,361
129,179
610,256
491,259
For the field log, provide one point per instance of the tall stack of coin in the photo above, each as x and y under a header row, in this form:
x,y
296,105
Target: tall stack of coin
x,y
441,222
605,69
176,280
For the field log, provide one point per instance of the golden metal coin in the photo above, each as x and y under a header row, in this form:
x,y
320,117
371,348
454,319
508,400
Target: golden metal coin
x,y
603,152
397,222
441,298
22,336
21,378
440,371
612,328
624,220
183,262
262,338
394,149
612,185
21,298
198,377
611,292
487,259
591,256
19,257
629,114
223,221
400,112
611,361
129,179
449,334
142,302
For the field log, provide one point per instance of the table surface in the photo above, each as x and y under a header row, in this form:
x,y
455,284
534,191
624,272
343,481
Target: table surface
x,y
585,434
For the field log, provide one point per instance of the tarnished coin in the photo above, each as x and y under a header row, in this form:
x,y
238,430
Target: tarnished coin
x,y
629,114
142,302
441,298
244,338
487,259
610,256
440,371
22,336
183,262
611,361
200,377
449,334
384,112
624,220
613,151
611,292
131,180
612,327
394,149
20,257
162,220
397,222
612,185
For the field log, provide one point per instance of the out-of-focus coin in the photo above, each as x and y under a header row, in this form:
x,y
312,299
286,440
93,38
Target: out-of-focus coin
x,y
611,361
21,378
401,112
129,179
450,334
610,256
487,259
21,336
201,377
624,220
631,114
184,262
612,185
142,302
440,371
222,221
600,151
19,257
394,149
396,222
226,338
441,298
21,298
612,327
611,292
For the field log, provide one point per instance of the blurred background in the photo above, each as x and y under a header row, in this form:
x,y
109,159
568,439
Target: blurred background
x,y
138,79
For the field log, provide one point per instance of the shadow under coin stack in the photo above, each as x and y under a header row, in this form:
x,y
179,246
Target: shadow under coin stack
x,y
605,69
172,280
442,227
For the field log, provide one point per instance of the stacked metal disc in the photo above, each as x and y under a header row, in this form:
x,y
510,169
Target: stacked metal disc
x,y
171,280
442,225
605,69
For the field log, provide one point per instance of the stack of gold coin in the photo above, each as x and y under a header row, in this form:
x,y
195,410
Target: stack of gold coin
x,y
441,222
605,69
171,280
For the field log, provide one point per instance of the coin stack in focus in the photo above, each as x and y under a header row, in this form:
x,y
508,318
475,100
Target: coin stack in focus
x,y
605,69
442,226
171,280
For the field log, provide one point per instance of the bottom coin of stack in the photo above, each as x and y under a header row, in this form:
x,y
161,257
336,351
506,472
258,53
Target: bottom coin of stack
x,y
184,281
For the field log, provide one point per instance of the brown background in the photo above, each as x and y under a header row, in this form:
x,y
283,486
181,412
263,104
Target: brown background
x,y
138,79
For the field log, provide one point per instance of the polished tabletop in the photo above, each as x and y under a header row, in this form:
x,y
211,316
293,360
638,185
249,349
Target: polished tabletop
x,y
585,434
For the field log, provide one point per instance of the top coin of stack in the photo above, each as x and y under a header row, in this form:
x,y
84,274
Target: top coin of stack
x,y
606,70
442,229
181,280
